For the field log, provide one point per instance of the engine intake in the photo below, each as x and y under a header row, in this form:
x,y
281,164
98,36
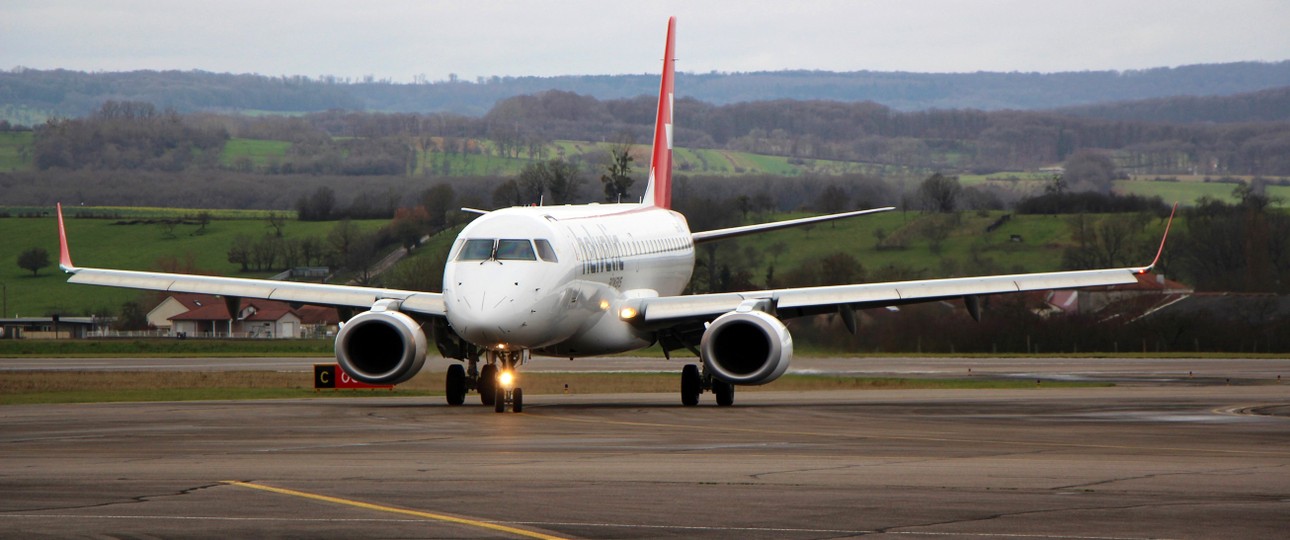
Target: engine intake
x,y
751,347
381,347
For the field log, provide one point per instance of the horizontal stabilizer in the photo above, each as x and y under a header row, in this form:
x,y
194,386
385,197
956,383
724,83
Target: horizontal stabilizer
x,y
708,236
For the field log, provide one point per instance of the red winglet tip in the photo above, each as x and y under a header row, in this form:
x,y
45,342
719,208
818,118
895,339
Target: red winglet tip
x,y
1161,251
64,254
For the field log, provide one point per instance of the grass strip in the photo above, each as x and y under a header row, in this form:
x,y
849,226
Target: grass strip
x,y
35,387
167,347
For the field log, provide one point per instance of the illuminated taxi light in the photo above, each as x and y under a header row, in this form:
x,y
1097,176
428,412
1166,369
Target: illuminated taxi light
x,y
506,378
604,304
627,313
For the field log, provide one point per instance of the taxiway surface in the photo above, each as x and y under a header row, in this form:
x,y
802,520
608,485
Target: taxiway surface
x,y
1125,462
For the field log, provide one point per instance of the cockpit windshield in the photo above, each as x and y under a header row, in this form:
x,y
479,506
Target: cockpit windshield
x,y
477,250
515,250
505,249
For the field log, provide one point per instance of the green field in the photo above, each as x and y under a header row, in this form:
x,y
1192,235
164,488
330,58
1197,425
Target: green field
x,y
1189,191
968,250
258,152
104,243
15,151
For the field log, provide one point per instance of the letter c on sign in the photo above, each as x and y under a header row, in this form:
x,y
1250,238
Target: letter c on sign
x,y
322,377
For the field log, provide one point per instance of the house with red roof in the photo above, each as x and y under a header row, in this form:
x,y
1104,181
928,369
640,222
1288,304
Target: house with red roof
x,y
1129,302
201,315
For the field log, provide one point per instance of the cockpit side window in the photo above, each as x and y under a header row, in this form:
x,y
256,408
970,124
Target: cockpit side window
x,y
515,250
545,251
478,249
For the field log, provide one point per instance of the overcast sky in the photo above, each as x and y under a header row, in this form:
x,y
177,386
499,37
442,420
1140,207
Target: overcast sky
x,y
402,39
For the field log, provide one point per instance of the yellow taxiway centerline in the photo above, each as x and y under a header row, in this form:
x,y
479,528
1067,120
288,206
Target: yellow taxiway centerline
x,y
390,509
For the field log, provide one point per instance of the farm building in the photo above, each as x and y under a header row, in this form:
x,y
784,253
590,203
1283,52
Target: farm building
x,y
198,315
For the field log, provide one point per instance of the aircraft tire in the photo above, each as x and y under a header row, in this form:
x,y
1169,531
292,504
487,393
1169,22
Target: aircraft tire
x,y
517,400
455,384
691,385
487,384
725,393
499,400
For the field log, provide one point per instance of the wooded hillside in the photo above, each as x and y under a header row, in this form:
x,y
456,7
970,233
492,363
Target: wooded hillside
x,y
27,94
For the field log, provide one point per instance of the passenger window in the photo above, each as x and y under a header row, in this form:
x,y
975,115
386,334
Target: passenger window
x,y
545,251
476,250
515,250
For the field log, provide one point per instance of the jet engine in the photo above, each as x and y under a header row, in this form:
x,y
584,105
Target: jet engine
x,y
381,347
746,347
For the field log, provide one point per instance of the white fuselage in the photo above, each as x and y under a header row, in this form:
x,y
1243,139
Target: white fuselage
x,y
504,290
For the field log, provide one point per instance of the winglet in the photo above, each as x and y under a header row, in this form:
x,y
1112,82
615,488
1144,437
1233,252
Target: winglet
x,y
64,255
1160,251
658,192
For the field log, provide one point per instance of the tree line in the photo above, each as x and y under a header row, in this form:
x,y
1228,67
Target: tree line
x,y
75,93
132,135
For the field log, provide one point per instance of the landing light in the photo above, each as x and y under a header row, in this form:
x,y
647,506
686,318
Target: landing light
x,y
604,304
627,313
506,379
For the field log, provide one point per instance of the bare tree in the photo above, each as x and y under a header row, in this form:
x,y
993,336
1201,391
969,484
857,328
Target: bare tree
x,y
34,259
939,193
277,222
240,251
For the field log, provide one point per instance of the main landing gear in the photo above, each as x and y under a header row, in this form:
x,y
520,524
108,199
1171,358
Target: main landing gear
x,y
495,381
694,383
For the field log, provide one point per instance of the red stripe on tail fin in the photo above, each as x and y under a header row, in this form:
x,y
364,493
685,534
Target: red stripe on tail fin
x,y
659,190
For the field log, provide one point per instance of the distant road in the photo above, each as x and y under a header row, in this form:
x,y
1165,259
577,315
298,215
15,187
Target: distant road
x,y
1097,369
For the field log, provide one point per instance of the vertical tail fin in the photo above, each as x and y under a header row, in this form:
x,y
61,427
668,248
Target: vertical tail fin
x,y
658,192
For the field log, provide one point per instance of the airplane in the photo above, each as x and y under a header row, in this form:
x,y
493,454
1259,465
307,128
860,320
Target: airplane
x,y
586,280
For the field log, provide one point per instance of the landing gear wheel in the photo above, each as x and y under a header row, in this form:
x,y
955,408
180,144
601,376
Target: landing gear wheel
x,y
725,392
691,385
487,384
454,386
517,400
499,400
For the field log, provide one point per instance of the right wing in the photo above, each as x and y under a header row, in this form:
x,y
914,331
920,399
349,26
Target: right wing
x,y
423,303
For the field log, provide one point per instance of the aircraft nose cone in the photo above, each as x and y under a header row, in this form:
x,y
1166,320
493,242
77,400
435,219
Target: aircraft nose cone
x,y
490,317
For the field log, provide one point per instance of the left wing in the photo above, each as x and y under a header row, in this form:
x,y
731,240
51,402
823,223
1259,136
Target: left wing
x,y
788,303
661,312
423,303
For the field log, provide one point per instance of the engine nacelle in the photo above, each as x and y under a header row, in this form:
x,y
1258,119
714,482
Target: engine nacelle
x,y
749,347
381,347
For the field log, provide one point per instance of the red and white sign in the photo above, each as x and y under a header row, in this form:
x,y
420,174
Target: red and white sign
x,y
332,376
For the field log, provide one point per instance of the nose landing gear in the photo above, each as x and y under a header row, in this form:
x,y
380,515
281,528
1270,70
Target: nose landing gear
x,y
495,381
505,379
